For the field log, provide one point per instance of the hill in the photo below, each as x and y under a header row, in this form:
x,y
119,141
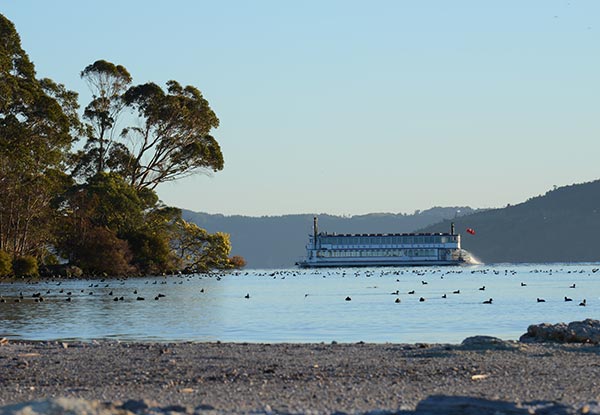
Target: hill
x,y
279,241
561,226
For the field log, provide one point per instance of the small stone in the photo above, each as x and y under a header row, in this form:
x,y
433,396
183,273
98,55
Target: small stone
x,y
176,409
204,407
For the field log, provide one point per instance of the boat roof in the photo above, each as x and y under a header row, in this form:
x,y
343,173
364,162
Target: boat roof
x,y
385,234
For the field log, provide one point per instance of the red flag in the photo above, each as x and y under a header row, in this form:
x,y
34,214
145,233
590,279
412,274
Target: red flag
x,y
471,231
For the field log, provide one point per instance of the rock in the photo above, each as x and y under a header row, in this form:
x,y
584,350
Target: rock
x,y
205,407
62,406
177,409
138,406
487,342
586,331
463,405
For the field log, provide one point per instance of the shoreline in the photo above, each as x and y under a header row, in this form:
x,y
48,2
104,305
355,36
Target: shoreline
x,y
298,377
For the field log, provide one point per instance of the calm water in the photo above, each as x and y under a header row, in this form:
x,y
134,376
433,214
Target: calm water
x,y
306,305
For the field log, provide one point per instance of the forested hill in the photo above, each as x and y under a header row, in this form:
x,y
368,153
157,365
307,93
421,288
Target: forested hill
x,y
279,241
561,226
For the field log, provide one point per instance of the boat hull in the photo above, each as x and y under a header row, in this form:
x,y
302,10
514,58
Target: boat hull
x,y
379,263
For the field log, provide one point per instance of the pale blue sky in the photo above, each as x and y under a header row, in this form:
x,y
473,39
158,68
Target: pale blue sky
x,y
349,107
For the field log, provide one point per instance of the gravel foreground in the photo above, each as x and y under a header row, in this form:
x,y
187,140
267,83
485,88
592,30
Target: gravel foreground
x,y
301,378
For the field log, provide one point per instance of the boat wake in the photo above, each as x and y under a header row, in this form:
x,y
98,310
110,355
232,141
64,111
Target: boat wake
x,y
469,258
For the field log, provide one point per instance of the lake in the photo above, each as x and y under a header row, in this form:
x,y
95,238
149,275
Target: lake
x,y
305,305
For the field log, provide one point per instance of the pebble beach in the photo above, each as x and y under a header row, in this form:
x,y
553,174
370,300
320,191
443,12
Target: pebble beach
x,y
298,378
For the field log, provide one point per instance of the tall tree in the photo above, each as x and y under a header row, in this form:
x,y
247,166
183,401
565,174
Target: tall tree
x,y
174,139
36,119
107,82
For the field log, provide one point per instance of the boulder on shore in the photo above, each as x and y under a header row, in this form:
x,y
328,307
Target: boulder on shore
x,y
586,331
487,343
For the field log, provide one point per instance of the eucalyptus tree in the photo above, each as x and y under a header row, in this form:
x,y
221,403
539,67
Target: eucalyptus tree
x,y
36,122
173,139
107,82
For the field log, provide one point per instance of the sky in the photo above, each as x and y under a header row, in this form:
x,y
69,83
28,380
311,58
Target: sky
x,y
351,107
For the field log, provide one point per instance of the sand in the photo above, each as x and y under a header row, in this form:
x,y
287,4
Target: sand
x,y
297,378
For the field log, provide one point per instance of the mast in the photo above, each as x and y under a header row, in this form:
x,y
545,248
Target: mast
x,y
452,228
315,232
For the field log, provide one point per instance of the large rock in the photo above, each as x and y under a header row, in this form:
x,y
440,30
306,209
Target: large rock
x,y
465,405
487,343
586,331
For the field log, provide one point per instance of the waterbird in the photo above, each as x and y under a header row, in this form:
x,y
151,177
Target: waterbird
x,y
348,299
572,286
421,299
424,282
541,300
583,303
140,298
411,292
444,296
568,299
397,300
247,296
488,301
456,292
523,284
482,288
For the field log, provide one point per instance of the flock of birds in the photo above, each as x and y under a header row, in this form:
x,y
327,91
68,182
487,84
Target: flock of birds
x,y
54,287
58,292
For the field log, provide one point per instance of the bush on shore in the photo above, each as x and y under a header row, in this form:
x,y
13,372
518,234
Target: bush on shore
x,y
5,264
25,266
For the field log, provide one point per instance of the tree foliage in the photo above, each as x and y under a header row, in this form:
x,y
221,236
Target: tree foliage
x,y
201,251
36,121
107,82
174,139
25,266
5,264
97,207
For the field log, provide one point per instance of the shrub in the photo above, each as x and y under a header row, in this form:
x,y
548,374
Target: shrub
x,y
25,266
5,264
237,261
73,271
